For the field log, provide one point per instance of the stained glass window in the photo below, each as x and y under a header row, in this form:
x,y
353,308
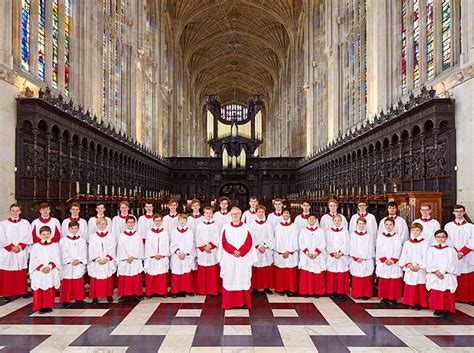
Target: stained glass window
x,y
416,42
404,46
55,32
67,23
25,35
234,112
41,38
429,39
446,34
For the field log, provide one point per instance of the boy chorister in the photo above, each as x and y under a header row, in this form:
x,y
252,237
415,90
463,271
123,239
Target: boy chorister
x,y
102,265
301,221
430,225
371,223
401,227
45,219
412,262
263,240
119,222
362,252
130,254
286,256
170,221
75,209
15,236
312,265
146,221
73,266
461,238
441,262
251,214
207,240
157,259
276,217
327,220
195,218
337,247
92,225
388,250
182,262
44,271
222,217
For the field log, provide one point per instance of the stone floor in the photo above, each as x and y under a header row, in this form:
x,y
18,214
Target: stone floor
x,y
198,324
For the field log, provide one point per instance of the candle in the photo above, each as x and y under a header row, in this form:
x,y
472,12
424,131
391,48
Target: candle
x,y
113,190
77,188
98,188
106,191
88,188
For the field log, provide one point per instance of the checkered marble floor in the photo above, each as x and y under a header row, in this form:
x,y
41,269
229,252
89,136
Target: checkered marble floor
x,y
198,324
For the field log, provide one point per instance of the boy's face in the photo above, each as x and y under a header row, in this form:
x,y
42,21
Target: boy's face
x,y
149,208
15,212
459,213
45,235
73,230
260,214
332,207
286,215
158,222
195,207
425,211
182,221
130,224
360,225
337,221
124,209
253,203
441,238
45,211
75,211
389,226
362,207
312,221
173,206
100,209
208,214
224,204
306,207
415,232
101,226
278,206
392,210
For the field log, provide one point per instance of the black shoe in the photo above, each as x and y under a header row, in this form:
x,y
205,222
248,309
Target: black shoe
x,y
290,294
43,311
95,301
443,313
391,302
254,292
268,291
282,293
191,294
65,305
471,303
123,299
333,296
384,301
7,299
437,313
138,298
49,310
110,300
80,302
25,295
245,306
364,298
306,296
417,307
316,296
175,295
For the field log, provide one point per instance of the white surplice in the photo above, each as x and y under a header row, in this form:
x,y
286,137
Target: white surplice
x,y
312,240
45,254
442,258
263,235
207,233
102,245
286,239
361,246
157,243
182,240
413,252
14,232
72,248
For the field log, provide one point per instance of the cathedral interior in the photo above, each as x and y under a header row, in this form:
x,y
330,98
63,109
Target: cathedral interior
x,y
151,100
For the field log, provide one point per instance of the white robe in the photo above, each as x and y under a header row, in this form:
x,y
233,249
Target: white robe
x,y
327,221
45,255
51,222
72,249
286,239
207,234
102,248
145,223
157,243
388,247
337,241
170,223
182,240
460,236
119,225
236,272
445,260
194,221
401,227
362,246
301,222
263,235
130,246
429,228
249,216
312,240
414,253
92,224
83,228
275,219
12,233
222,219
371,227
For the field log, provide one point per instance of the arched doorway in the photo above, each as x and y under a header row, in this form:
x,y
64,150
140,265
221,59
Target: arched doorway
x,y
237,193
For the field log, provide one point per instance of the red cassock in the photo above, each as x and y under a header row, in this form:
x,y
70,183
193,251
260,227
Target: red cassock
x,y
286,270
442,300
236,272
415,295
182,274
208,280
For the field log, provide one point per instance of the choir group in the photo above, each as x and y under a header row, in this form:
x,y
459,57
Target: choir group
x,y
238,255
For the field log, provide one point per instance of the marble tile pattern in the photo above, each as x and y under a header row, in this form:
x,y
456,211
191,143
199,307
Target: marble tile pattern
x,y
198,324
